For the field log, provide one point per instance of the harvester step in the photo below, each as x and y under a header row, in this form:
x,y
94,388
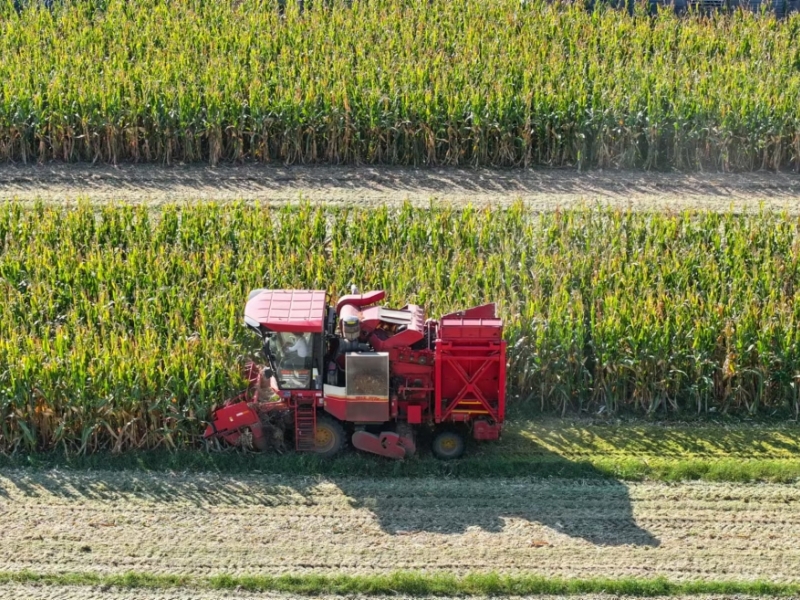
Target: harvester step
x,y
305,427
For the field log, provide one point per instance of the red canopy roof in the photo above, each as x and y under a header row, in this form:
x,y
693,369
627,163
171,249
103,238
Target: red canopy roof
x,y
288,310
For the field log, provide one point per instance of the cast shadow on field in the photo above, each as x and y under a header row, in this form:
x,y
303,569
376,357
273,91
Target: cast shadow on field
x,y
600,515
537,486
574,500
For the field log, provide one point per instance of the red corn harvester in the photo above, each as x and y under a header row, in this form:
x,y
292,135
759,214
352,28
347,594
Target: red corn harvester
x,y
367,372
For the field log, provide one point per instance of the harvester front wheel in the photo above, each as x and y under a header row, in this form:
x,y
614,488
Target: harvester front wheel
x,y
330,437
448,445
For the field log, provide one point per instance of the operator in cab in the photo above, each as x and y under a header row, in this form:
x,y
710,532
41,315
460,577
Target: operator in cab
x,y
299,349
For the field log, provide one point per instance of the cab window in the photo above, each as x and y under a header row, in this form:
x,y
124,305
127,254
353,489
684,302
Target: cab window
x,y
293,356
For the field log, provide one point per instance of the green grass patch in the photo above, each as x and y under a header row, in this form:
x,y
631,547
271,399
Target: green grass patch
x,y
624,468
577,449
574,437
412,583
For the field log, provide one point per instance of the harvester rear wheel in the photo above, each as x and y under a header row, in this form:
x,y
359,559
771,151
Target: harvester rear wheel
x,y
448,445
330,436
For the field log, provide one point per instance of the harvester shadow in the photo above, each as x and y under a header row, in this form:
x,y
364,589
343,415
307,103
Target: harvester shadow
x,y
599,514
584,503
486,492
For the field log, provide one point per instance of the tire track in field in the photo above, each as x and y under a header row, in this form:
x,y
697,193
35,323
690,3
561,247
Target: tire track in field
x,y
540,189
204,524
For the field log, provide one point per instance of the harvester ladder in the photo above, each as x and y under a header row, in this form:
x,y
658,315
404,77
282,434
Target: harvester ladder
x,y
305,426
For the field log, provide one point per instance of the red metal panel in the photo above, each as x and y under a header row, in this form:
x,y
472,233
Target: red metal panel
x,y
388,443
484,430
501,395
414,330
360,300
288,310
470,366
470,381
415,414
471,330
437,399
362,409
478,388
231,418
485,311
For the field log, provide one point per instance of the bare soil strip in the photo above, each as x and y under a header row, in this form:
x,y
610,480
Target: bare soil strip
x,y
45,592
103,522
369,186
57,592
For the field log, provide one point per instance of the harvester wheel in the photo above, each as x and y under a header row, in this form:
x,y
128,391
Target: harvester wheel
x,y
448,445
330,436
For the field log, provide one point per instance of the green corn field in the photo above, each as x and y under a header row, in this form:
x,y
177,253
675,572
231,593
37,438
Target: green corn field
x,y
121,328
415,82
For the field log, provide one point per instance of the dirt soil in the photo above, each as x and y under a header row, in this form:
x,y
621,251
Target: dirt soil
x,y
369,186
204,524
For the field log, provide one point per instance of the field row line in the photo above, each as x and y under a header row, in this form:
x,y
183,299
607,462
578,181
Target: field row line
x,y
598,468
416,584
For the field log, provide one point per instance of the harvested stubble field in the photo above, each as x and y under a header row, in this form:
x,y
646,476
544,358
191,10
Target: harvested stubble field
x,y
368,187
205,525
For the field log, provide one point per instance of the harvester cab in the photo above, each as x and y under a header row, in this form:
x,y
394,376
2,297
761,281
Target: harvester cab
x,y
291,327
369,374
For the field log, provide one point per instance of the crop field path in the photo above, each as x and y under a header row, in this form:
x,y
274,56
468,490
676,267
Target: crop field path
x,y
55,521
365,186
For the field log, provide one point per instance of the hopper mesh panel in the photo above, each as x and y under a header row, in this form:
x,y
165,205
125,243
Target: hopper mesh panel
x,y
367,374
